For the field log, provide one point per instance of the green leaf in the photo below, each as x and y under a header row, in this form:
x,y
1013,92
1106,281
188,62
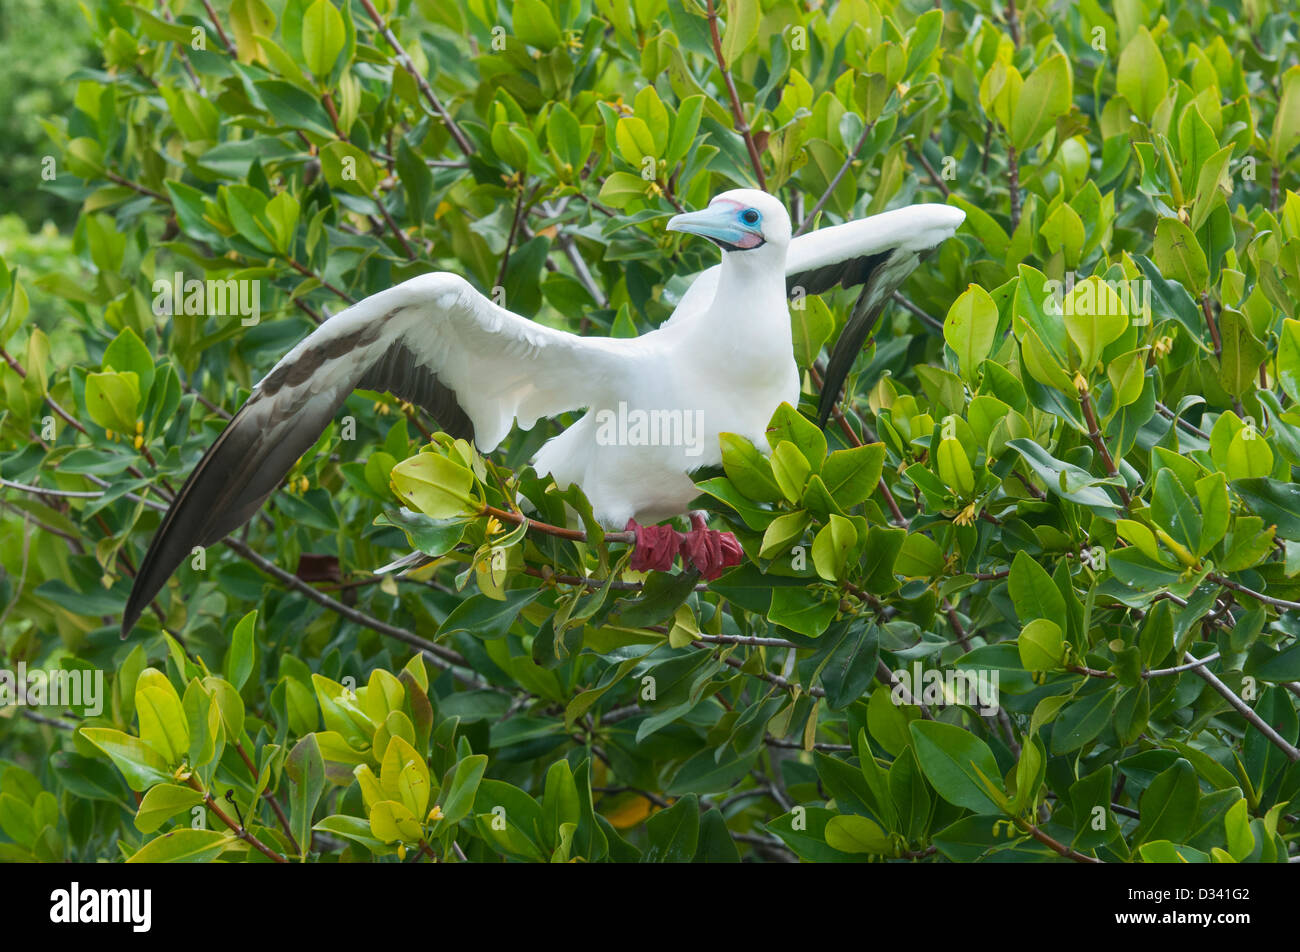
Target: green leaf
x,y
459,788
323,37
831,547
1167,807
790,469
128,354
162,802
391,822
1041,645
113,400
1279,667
741,29
305,767
436,486
535,25
953,760
673,834
1064,479
1242,354
1044,97
789,425
782,531
240,656
1094,317
1033,592
1179,256
954,468
857,834
1094,823
1174,512
485,617
1286,121
802,610
140,764
919,557
970,328
748,470
851,475
1288,351
1142,78
1277,503
163,724
1081,720
185,846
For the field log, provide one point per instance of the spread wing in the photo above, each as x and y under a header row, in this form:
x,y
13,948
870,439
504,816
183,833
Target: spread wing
x,y
432,340
876,253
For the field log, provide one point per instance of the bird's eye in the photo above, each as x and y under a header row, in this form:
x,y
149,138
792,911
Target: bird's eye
x,y
749,216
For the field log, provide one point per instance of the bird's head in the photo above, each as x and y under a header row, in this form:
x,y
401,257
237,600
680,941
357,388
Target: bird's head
x,y
742,220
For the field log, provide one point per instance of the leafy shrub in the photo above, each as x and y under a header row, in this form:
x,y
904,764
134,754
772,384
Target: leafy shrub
x,y
1075,487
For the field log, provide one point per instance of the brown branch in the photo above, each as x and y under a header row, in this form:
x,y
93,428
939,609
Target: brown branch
x,y
737,112
1245,710
835,180
392,226
1169,414
546,574
225,40
304,270
939,183
270,798
134,186
1148,674
560,532
925,317
462,142
440,657
1094,434
1250,592
1053,844
1208,311
238,828
510,238
958,628
1013,22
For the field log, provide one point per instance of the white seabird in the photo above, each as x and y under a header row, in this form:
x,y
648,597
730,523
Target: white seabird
x,y
723,362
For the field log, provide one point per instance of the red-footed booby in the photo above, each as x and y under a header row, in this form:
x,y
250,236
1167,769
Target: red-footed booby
x,y
723,362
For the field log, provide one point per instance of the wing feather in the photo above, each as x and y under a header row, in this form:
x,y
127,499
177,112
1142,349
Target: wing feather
x,y
433,341
876,253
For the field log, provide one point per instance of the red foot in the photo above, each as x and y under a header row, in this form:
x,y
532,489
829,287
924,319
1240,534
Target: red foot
x,y
655,549
710,551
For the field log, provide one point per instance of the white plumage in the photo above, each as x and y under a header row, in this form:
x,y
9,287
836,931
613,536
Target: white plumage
x,y
723,362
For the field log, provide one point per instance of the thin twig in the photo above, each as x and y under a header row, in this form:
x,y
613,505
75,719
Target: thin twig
x,y
737,112
435,103
835,179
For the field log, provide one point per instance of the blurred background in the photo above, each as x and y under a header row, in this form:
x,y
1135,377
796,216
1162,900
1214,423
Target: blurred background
x,y
42,42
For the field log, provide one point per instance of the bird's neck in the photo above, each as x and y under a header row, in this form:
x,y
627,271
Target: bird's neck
x,y
755,276
749,321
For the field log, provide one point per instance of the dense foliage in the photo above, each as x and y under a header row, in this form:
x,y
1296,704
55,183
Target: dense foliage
x,y
1063,466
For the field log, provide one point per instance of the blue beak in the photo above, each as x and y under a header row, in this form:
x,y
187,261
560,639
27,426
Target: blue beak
x,y
719,223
